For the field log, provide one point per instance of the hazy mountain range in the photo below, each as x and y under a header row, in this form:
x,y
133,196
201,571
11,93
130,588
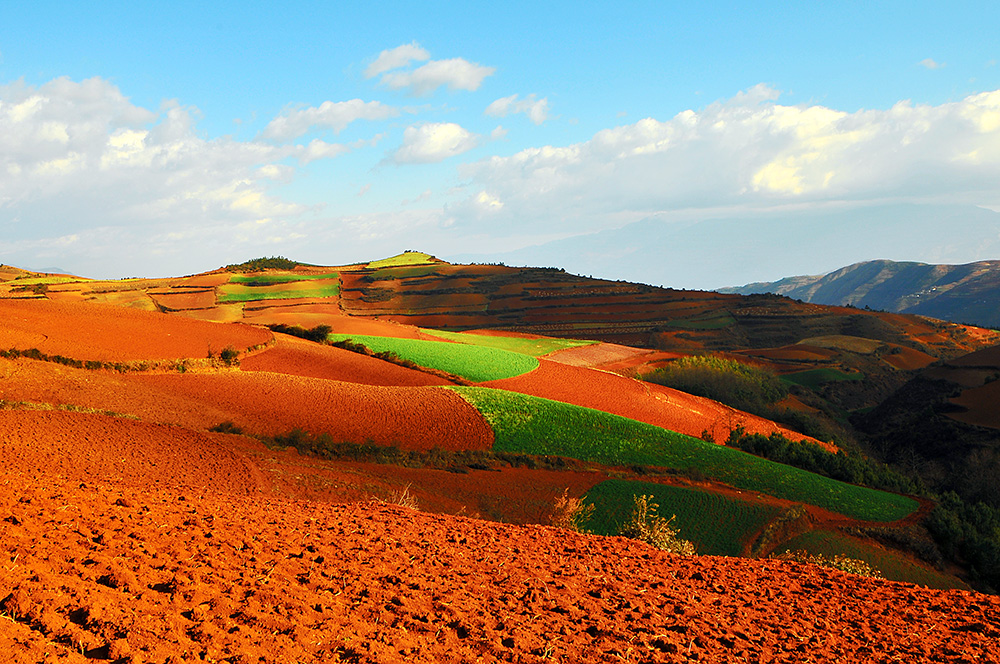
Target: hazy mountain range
x,y
965,293
709,253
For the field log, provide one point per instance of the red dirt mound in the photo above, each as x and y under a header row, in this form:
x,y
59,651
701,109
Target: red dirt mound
x,y
87,331
84,446
299,357
413,418
646,402
91,571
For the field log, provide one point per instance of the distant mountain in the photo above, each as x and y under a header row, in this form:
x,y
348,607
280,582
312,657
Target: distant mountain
x,y
967,293
707,252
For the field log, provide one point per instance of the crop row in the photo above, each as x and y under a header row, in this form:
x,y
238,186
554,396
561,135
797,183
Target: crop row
x,y
474,363
243,293
716,524
533,425
270,279
533,347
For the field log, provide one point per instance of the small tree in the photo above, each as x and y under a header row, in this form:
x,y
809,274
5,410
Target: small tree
x,y
647,526
571,513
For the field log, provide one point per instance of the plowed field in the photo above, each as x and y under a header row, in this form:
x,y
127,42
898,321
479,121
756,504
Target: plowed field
x,y
299,357
94,571
86,331
646,402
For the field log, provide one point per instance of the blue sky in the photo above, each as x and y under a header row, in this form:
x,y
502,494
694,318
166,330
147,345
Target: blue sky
x,y
197,134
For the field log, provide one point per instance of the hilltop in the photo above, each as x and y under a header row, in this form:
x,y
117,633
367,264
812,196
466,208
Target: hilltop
x,y
225,466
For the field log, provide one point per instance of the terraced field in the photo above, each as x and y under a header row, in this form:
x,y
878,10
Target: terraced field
x,y
535,347
717,524
532,425
474,363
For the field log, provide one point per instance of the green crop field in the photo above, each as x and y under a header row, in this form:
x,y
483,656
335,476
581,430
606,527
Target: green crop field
x,y
391,273
718,526
405,258
244,293
269,279
813,378
894,566
533,425
475,363
533,347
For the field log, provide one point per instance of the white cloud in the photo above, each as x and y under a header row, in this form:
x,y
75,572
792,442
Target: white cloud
x,y
929,63
744,151
434,142
537,110
456,74
295,122
81,161
395,58
498,133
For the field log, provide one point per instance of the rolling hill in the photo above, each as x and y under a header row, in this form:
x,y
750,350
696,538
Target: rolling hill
x,y
224,466
965,293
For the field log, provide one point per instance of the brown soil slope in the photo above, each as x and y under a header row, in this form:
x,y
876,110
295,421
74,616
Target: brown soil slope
x,y
88,331
92,571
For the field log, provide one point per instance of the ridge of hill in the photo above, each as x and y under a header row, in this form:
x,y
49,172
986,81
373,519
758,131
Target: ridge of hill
x,y
963,293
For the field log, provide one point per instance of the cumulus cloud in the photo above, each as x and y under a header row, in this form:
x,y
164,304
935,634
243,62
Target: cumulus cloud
x,y
537,110
747,151
434,142
295,122
455,73
79,160
929,63
394,58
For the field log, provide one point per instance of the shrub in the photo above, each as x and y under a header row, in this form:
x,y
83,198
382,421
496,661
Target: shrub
x,y
571,513
838,562
739,385
226,427
404,498
229,356
647,526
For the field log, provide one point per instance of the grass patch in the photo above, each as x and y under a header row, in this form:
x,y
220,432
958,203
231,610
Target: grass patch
x,y
532,425
814,378
270,279
244,293
405,258
474,363
533,347
718,525
893,566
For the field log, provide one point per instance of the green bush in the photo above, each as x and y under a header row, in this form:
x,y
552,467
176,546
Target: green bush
x,y
645,525
739,385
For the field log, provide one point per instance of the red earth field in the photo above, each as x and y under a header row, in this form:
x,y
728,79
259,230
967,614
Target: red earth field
x,y
130,533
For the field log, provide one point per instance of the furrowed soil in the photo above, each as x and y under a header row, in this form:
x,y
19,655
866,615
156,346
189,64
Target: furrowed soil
x,y
92,570
646,402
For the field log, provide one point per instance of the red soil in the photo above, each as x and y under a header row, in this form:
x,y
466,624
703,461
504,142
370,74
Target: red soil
x,y
87,331
417,418
646,402
184,299
299,357
83,446
93,570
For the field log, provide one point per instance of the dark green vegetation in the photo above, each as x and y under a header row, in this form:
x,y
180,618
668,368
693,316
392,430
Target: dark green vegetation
x,y
259,264
736,384
893,566
844,466
318,334
533,347
717,525
969,532
473,363
532,425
